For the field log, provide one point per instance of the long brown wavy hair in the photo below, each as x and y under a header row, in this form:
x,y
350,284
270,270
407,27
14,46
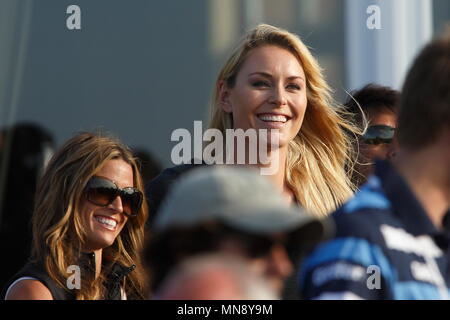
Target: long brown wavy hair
x,y
322,150
58,233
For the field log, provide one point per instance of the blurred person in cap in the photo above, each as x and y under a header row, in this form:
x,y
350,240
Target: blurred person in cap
x,y
392,239
198,277
379,105
231,210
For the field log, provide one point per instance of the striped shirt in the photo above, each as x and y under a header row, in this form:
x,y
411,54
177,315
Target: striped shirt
x,y
385,247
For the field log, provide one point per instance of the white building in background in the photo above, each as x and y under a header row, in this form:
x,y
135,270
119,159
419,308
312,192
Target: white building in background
x,y
382,38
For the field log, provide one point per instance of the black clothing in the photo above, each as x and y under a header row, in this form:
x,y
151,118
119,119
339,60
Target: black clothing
x,y
87,265
157,189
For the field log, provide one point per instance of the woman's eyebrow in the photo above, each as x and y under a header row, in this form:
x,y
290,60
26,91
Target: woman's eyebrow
x,y
264,74
268,75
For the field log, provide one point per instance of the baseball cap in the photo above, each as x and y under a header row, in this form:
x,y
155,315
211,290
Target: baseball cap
x,y
240,198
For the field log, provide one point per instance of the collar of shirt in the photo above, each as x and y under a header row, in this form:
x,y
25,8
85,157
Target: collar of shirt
x,y
406,206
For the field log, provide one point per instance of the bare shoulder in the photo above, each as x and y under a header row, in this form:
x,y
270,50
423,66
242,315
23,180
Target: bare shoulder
x,y
29,290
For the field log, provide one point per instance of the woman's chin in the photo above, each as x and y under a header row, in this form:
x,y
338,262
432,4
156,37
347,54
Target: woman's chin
x,y
277,140
100,242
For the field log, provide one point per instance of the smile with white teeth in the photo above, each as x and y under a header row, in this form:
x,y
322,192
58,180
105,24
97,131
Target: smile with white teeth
x,y
272,118
106,222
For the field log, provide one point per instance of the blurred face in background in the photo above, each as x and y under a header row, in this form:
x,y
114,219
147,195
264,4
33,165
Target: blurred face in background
x,y
266,258
379,142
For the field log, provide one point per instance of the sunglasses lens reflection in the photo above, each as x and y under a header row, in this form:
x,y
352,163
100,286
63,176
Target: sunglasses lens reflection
x,y
101,196
131,200
378,134
102,192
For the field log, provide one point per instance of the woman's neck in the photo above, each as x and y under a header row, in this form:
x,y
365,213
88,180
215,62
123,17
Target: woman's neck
x,y
97,259
98,262
274,168
271,163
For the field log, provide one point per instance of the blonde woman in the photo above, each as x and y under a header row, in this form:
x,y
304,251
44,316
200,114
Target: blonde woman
x,y
88,226
271,81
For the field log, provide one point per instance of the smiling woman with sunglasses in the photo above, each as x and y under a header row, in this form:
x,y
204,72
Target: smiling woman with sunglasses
x,y
102,192
88,226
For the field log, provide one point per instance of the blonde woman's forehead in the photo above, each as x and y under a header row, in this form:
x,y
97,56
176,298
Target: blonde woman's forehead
x,y
272,61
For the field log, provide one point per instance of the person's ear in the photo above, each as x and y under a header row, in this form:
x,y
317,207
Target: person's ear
x,y
224,97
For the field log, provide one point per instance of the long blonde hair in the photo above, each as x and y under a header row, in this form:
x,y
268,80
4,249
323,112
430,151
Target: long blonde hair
x,y
322,150
57,228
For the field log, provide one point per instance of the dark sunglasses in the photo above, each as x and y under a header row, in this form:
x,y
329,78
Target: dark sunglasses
x,y
378,134
256,246
102,192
